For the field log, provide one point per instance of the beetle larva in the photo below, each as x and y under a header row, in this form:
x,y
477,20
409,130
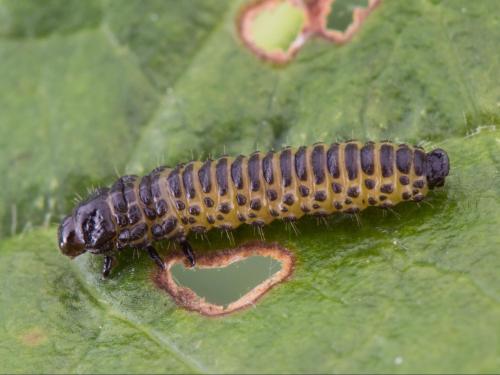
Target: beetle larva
x,y
320,179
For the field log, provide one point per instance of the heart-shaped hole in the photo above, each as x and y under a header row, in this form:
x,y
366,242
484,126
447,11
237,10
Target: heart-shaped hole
x,y
226,281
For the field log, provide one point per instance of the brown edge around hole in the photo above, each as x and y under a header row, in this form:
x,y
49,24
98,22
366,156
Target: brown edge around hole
x,y
316,14
359,15
189,300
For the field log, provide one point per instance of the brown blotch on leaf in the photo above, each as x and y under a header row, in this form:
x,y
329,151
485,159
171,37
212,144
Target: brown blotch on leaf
x,y
33,337
189,300
315,25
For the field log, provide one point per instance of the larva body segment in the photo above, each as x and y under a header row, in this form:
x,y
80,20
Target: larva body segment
x,y
320,179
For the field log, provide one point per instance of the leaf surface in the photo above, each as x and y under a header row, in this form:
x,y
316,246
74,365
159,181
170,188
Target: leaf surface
x,y
88,88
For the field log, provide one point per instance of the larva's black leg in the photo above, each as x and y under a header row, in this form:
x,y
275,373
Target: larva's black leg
x,y
107,265
154,255
188,251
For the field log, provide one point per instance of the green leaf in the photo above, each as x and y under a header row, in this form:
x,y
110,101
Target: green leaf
x,y
87,88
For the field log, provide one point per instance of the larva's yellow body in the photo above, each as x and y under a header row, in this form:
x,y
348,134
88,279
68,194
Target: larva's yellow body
x,y
318,180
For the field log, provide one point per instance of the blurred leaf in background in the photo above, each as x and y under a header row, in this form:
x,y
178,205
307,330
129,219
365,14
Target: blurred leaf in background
x,y
89,89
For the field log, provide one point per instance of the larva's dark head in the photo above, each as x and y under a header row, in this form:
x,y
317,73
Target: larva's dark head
x,y
89,228
437,167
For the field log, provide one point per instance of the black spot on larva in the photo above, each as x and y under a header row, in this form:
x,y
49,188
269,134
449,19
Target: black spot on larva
x,y
174,182
372,201
129,193
419,184
418,162
267,168
284,209
169,224
406,195
138,231
318,163
205,177
252,215
253,172
332,160
220,217
187,179
161,207
316,206
117,198
158,170
368,158
255,204
352,210
124,236
180,205
145,190
305,209
157,231
242,218
210,219
286,167
337,205
382,197
320,214
155,186
290,219
117,186
225,207
118,202
221,175
199,229
351,160
194,210
184,220
348,201
418,197
387,188
403,159
241,199
337,188
191,220
369,183
258,223
320,196
272,194
237,172
226,227
129,179
134,214
415,191
386,205
303,190
209,202
387,160
122,220
404,180
288,199
353,191
274,213
301,163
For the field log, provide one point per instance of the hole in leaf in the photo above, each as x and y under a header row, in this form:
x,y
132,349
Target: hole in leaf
x,y
272,28
276,30
341,15
228,280
221,286
345,17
